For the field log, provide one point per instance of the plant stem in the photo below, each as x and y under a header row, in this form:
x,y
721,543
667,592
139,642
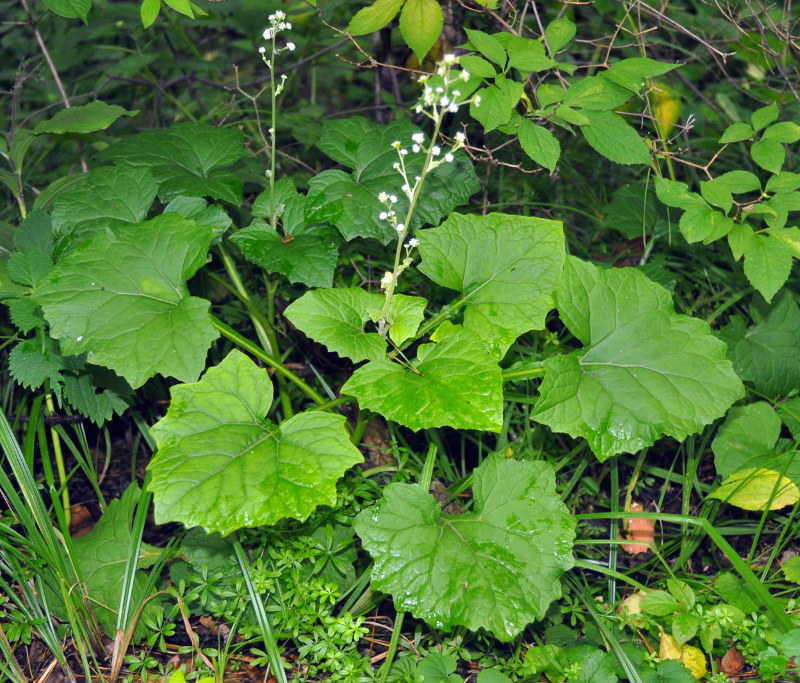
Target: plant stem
x,y
264,328
387,665
259,353
62,473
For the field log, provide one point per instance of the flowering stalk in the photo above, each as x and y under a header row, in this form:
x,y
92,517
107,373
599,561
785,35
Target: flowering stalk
x,y
277,23
435,104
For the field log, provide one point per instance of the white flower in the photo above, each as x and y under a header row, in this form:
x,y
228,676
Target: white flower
x,y
262,49
418,109
393,198
419,138
382,197
453,108
448,157
396,144
477,100
450,58
460,138
387,278
444,101
279,15
403,151
436,151
383,215
465,75
396,165
456,93
415,148
413,242
400,227
406,188
267,34
291,46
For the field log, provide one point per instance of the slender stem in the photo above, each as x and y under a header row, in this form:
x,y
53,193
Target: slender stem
x,y
387,665
259,353
62,473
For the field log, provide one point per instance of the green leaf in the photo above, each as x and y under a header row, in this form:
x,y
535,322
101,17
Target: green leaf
x,y
632,73
738,182
29,267
497,103
436,667
736,132
524,54
101,557
767,264
149,12
35,232
539,144
374,17
127,195
421,24
757,489
717,194
595,665
25,314
558,33
761,118
198,210
766,354
405,315
496,567
738,239
791,569
122,298
97,404
308,255
337,318
488,46
701,222
676,194
221,465
768,154
70,9
185,159
181,7
659,603
789,412
477,66
350,201
504,267
84,119
30,364
785,181
644,371
785,132
611,136
271,202
634,213
452,382
596,93
748,432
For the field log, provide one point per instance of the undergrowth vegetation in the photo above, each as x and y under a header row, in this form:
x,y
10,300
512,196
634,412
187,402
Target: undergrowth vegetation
x,y
399,341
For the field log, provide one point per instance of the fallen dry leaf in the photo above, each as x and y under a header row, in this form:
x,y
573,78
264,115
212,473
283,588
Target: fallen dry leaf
x,y
691,657
732,662
638,529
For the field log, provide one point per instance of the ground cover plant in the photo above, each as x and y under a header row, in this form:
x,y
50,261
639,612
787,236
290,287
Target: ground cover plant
x,y
399,341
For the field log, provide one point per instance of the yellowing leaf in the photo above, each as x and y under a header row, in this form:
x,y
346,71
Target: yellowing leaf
x,y
752,489
691,657
667,109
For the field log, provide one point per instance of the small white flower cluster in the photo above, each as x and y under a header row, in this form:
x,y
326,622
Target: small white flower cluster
x,y
277,23
442,97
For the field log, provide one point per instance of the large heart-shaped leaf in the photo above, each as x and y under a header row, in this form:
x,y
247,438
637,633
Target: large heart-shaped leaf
x,y
496,567
645,370
127,195
350,200
452,382
121,297
505,267
221,465
185,160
